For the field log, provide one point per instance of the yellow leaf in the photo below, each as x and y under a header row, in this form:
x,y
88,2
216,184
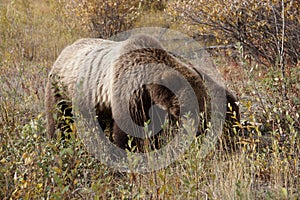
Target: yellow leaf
x,y
25,155
57,170
24,184
284,192
39,185
28,161
3,160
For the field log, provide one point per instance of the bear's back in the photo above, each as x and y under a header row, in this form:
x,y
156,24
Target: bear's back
x,y
91,62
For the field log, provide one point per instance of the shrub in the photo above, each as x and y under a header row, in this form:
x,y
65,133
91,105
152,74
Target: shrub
x,y
267,30
104,18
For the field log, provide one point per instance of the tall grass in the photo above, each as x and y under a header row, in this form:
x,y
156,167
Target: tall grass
x,y
266,166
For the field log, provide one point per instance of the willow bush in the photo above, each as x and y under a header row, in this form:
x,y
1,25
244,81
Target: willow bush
x,y
267,30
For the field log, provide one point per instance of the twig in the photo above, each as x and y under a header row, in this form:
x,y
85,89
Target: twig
x,y
281,53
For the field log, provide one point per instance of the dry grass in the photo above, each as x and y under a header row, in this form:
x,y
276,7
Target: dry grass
x,y
266,166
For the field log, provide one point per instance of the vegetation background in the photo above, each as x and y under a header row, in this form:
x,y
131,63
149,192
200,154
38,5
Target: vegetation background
x,y
255,46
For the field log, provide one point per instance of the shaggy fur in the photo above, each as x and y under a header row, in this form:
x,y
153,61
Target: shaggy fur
x,y
110,70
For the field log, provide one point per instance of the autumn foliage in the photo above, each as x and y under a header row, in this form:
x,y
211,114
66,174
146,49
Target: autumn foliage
x,y
266,166
267,30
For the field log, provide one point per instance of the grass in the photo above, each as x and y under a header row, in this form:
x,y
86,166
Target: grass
x,y
266,166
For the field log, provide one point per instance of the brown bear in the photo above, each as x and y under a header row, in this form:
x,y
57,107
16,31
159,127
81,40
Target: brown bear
x,y
122,81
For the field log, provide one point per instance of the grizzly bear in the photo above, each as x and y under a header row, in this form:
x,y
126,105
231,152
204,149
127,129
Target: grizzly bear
x,y
122,81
